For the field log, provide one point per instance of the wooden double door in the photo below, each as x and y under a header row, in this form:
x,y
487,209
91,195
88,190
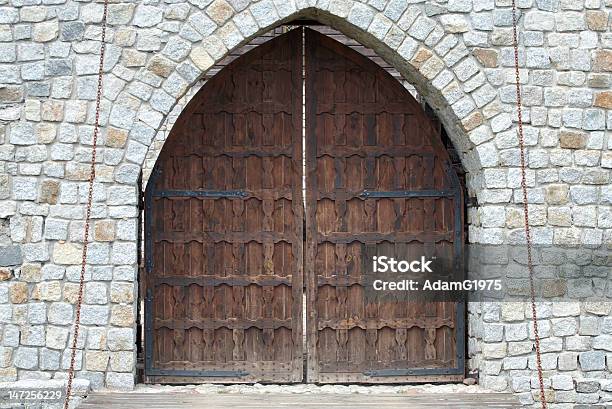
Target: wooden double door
x,y
256,226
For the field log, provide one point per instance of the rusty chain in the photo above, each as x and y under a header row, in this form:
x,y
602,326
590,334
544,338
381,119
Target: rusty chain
x,y
528,239
92,176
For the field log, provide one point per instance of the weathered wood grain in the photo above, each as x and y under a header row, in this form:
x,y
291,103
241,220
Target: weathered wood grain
x,y
268,401
226,279
365,132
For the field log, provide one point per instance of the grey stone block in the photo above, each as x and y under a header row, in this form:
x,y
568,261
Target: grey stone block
x,y
10,256
49,359
60,313
592,361
120,381
37,313
562,382
26,358
147,16
121,339
57,337
587,386
72,31
94,314
568,361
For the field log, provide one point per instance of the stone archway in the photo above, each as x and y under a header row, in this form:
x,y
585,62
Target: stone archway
x,y
433,59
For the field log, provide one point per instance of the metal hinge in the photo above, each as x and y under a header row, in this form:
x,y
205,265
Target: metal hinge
x,y
407,193
200,193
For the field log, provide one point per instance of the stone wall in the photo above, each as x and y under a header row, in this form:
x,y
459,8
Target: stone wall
x,y
573,306
576,339
458,55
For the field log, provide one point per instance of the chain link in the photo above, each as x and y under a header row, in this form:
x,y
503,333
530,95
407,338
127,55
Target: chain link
x,y
92,176
528,238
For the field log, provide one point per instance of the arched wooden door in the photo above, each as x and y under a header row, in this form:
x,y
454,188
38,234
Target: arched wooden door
x,y
225,214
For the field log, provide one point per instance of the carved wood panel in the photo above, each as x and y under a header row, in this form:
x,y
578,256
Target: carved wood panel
x,y
225,218
368,139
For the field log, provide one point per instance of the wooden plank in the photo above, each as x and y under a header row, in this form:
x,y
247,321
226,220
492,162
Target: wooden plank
x,y
231,323
379,323
183,237
234,280
271,401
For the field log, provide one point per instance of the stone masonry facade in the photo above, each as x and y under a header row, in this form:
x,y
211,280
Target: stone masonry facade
x,y
458,55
